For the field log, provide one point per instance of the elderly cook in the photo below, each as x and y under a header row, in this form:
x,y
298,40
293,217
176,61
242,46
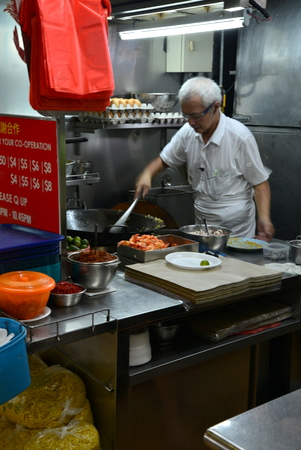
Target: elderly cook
x,y
223,161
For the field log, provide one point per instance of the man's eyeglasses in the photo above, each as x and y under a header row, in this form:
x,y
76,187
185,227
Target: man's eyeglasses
x,y
197,117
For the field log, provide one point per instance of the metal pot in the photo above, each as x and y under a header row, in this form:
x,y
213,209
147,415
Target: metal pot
x,y
82,223
92,275
295,250
212,242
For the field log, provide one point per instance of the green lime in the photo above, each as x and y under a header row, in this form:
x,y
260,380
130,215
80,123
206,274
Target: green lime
x,y
83,246
85,241
77,238
73,248
204,263
69,239
77,242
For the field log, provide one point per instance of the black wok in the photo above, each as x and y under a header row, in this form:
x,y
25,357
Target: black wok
x,y
81,222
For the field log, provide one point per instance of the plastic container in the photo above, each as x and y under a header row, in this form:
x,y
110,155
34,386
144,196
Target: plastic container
x,y
140,348
276,251
14,367
24,294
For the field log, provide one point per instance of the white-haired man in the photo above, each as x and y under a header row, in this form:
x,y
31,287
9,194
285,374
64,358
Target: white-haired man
x,y
223,161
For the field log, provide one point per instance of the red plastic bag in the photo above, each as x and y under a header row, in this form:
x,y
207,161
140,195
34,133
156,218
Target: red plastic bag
x,y
70,65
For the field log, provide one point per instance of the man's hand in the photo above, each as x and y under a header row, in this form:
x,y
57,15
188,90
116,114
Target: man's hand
x,y
144,180
265,230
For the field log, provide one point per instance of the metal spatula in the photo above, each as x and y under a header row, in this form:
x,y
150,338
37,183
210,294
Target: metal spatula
x,y
117,227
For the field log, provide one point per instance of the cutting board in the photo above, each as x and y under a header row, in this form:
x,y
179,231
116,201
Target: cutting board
x,y
232,277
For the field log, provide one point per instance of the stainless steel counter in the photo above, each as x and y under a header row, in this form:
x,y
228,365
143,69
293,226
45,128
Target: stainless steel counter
x,y
191,377
274,425
128,306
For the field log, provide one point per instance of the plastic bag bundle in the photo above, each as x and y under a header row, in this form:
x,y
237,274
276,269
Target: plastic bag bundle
x,y
54,397
15,437
36,365
67,52
4,423
74,436
85,415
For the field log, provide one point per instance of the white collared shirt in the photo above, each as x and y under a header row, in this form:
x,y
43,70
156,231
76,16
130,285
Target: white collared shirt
x,y
223,173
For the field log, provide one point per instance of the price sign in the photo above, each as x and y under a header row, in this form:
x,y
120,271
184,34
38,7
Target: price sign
x,y
29,181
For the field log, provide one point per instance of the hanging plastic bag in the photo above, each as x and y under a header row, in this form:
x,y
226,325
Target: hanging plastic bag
x,y
70,66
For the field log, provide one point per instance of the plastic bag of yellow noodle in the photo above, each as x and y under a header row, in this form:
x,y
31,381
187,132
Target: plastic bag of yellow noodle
x,y
4,423
74,436
53,398
85,415
15,437
36,365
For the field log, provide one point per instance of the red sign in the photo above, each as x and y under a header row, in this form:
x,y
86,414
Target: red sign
x,y
29,193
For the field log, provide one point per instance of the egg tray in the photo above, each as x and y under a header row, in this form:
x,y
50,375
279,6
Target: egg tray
x,y
182,245
129,114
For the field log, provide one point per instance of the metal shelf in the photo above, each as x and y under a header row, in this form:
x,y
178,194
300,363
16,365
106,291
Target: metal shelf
x,y
87,178
89,127
66,326
193,350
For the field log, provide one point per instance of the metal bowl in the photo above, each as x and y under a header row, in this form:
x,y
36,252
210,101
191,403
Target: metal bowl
x,y
66,300
164,333
82,167
212,242
95,276
162,102
69,167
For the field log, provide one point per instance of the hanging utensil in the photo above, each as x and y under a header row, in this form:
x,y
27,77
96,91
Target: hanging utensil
x,y
95,237
206,227
118,226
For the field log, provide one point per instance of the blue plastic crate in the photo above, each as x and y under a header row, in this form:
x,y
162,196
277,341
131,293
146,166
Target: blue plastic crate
x,y
22,239
47,264
52,270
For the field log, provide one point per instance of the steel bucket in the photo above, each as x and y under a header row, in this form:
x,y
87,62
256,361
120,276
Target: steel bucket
x,y
295,250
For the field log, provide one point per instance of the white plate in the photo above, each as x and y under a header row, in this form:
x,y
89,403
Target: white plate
x,y
191,261
246,244
46,312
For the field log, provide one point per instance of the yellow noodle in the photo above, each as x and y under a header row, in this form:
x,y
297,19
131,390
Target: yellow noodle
x,y
86,414
53,398
15,437
75,436
36,365
4,423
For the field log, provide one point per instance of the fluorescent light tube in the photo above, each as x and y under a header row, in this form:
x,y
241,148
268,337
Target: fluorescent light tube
x,y
222,24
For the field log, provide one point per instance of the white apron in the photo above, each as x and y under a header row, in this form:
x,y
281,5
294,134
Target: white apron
x,y
237,214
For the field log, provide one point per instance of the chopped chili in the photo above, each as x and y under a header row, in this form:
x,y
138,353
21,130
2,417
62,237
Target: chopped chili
x,y
64,287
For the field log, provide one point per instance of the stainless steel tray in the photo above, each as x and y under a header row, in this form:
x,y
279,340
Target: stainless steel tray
x,y
183,245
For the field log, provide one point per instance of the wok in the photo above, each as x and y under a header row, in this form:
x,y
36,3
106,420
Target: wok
x,y
81,222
